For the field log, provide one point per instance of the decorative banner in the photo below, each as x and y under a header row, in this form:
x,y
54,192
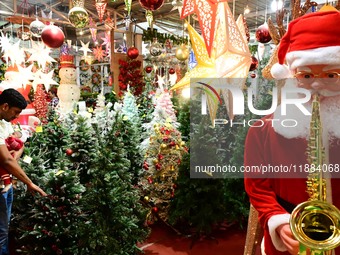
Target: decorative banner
x,y
206,12
101,7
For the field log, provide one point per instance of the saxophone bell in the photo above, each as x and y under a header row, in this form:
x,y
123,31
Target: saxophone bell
x,y
316,223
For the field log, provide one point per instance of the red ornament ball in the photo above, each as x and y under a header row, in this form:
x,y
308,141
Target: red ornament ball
x,y
132,52
151,5
254,63
148,69
155,209
172,71
52,36
262,34
69,152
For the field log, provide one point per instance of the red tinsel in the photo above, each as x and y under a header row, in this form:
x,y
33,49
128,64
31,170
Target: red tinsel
x,y
40,103
130,74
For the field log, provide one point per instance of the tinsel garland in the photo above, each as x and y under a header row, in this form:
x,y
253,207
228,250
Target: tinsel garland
x,y
130,75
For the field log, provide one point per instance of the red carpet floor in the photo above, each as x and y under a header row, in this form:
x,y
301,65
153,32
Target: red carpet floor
x,y
164,241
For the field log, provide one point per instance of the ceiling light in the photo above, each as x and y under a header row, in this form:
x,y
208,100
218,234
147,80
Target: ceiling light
x,y
276,5
246,10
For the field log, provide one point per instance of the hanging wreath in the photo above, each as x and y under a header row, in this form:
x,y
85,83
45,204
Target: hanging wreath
x,y
96,79
83,65
95,67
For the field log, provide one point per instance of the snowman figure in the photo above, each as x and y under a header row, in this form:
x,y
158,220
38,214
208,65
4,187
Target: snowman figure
x,y
68,90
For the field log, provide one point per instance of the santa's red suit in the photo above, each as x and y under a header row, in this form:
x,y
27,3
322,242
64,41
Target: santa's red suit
x,y
275,197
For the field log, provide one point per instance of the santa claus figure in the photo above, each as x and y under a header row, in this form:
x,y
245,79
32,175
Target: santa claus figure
x,y
68,90
276,158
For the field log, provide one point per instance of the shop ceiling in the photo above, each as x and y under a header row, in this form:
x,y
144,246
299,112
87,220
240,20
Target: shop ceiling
x,y
166,19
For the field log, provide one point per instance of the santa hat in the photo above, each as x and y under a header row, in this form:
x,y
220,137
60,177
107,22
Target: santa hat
x,y
66,61
312,39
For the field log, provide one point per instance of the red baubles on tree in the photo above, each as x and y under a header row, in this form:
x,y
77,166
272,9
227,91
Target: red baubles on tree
x,y
262,34
148,69
132,52
151,5
254,63
172,71
69,152
52,36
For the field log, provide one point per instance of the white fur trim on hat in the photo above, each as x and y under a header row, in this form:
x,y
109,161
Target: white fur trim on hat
x,y
280,72
273,223
329,55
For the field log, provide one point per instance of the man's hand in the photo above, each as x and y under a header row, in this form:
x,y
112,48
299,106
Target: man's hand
x,y
34,188
288,239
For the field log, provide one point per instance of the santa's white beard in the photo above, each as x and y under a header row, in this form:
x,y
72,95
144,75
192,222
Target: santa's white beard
x,y
329,112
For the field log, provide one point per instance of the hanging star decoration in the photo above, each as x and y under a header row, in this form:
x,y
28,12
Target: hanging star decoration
x,y
206,12
43,78
26,74
101,7
233,57
99,53
14,53
85,48
4,42
41,54
93,29
202,72
160,81
205,65
107,42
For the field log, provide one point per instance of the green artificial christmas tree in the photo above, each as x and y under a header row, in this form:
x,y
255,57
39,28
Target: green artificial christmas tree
x,y
82,148
49,225
115,221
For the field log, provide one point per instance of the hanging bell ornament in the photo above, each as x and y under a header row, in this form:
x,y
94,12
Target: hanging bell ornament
x,y
156,48
78,17
182,52
36,28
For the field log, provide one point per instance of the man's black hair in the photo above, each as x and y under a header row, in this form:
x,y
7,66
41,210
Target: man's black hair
x,y
13,98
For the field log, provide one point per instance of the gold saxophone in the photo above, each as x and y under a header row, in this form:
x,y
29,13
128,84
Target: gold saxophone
x,y
315,223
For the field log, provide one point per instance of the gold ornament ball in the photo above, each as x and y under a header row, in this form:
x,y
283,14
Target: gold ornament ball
x,y
155,161
146,199
182,143
182,53
163,145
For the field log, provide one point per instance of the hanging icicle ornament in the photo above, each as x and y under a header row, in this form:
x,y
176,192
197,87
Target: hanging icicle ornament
x,y
127,20
149,17
78,16
101,7
128,4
